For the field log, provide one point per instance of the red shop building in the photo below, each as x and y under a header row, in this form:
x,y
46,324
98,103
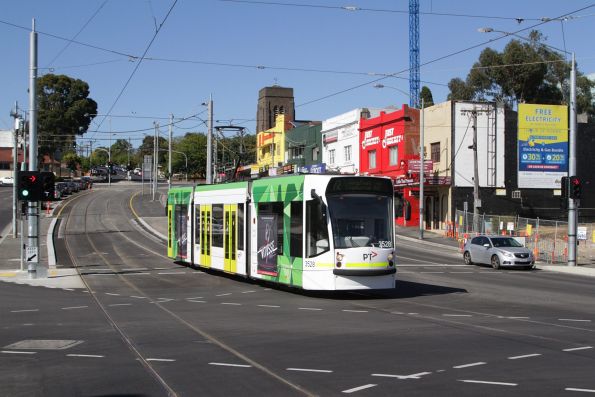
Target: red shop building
x,y
387,143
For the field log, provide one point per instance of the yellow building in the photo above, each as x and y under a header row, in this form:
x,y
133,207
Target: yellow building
x,y
270,144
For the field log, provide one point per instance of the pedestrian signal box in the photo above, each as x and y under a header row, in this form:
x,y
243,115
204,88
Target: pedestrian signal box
x,y
575,188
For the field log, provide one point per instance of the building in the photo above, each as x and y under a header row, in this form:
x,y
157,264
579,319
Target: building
x,y
303,144
270,144
387,144
6,155
273,101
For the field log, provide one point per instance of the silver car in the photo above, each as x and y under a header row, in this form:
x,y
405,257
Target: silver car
x,y
498,251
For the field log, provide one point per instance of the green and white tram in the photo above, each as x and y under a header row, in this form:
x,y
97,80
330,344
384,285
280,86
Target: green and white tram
x,y
316,232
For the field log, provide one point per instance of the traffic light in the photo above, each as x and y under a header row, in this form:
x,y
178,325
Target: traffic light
x,y
564,186
575,187
48,188
29,188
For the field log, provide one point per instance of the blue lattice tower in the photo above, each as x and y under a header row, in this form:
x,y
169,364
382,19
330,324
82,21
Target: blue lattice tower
x,y
414,53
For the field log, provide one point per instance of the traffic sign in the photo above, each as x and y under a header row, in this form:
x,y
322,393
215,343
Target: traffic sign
x,y
31,254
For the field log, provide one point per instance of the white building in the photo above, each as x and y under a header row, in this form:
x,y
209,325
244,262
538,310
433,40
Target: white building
x,y
340,139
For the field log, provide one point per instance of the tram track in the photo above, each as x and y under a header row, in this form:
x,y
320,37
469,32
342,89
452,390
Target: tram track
x,y
139,292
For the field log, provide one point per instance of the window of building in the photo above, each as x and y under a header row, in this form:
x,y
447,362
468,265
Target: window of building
x,y
315,153
295,246
331,156
393,155
372,159
435,151
347,153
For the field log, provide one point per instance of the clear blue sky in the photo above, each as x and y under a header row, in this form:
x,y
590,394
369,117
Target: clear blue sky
x,y
214,47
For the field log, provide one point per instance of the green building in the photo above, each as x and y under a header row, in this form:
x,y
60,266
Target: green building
x,y
303,143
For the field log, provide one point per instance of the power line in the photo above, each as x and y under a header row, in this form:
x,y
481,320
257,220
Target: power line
x,y
139,62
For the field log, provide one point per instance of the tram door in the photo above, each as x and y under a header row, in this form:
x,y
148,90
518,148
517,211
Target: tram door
x,y
205,234
170,245
230,237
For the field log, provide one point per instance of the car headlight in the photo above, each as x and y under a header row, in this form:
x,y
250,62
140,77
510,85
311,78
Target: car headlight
x,y
508,254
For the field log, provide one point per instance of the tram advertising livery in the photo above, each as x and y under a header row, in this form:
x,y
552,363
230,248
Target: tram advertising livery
x,y
316,232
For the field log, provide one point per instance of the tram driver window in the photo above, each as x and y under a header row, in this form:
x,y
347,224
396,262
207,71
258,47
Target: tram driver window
x,y
316,228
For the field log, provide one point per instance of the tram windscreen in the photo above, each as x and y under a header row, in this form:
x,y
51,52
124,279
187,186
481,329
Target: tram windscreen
x,y
361,220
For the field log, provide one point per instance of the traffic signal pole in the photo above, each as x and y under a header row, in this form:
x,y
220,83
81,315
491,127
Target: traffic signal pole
x,y
572,213
32,251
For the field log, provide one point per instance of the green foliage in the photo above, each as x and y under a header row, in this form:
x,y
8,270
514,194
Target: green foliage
x,y
426,95
526,72
194,146
72,160
65,111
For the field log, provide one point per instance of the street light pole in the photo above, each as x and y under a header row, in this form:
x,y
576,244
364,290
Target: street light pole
x,y
421,173
210,142
171,126
109,155
32,213
572,213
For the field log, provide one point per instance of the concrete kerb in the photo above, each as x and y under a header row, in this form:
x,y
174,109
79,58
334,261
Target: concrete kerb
x,y
412,239
151,229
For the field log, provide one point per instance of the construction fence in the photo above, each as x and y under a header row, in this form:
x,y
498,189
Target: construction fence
x,y
548,239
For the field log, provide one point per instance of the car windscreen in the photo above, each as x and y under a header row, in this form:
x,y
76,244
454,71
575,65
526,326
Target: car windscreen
x,y
505,242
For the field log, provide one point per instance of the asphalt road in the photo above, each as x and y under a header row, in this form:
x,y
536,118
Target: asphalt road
x,y
5,206
146,326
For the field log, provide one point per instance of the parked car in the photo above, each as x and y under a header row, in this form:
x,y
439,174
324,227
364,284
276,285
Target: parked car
x,y
7,180
497,251
63,188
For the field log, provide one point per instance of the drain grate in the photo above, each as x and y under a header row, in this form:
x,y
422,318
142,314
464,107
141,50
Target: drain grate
x,y
44,344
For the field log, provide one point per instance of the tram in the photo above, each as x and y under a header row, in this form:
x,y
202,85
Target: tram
x,y
315,232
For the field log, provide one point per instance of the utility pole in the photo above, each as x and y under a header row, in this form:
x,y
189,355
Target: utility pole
x,y
15,154
109,155
32,213
171,128
210,141
421,174
476,200
155,161
572,204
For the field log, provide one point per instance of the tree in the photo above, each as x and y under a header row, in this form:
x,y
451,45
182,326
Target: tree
x,y
427,97
194,146
527,72
64,111
72,160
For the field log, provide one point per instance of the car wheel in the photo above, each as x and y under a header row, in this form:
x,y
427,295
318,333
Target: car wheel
x,y
528,267
495,262
467,258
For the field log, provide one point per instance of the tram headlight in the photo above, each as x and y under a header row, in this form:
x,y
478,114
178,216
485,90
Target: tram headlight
x,y
339,258
390,259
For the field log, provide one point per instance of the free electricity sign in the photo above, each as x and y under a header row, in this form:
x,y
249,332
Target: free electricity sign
x,y
542,145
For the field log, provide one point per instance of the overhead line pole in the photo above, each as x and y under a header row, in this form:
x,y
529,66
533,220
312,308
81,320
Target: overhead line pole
x,y
32,214
421,174
171,127
572,204
210,141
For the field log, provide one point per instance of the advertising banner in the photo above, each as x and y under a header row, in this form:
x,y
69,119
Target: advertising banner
x,y
267,244
542,145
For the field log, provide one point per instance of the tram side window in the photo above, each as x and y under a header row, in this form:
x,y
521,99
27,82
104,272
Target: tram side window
x,y
241,227
316,229
197,224
277,209
297,216
217,225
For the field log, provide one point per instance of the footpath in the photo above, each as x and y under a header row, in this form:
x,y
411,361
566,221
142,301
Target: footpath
x,y
150,215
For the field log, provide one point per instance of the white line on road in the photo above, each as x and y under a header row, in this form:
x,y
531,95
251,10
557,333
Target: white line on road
x,y
515,318
469,365
112,294
23,311
196,297
354,311
74,307
412,376
231,303
228,293
268,306
134,269
248,292
121,304
138,297
583,390
461,272
231,365
430,265
524,356
574,319
487,383
432,272
457,315
137,274
326,371
577,348
171,273
85,355
308,308
16,352
194,301
358,388
160,359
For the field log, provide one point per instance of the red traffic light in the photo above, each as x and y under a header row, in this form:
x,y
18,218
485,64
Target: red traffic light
x,y
575,181
32,178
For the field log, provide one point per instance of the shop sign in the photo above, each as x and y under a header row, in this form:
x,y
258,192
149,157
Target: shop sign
x,y
313,169
415,165
370,140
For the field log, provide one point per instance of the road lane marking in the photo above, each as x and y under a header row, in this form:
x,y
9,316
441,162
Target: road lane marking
x,y
432,272
358,388
196,297
354,311
231,303
138,297
160,359
135,269
326,371
461,272
469,365
25,310
412,376
112,294
74,307
226,294
196,301
85,355
16,352
171,273
574,319
577,348
268,306
524,356
487,383
582,390
248,292
457,315
231,365
120,304
309,308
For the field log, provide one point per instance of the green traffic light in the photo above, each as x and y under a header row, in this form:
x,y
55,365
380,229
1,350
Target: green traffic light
x,y
25,193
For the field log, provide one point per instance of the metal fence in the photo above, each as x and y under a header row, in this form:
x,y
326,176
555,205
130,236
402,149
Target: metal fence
x,y
548,239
